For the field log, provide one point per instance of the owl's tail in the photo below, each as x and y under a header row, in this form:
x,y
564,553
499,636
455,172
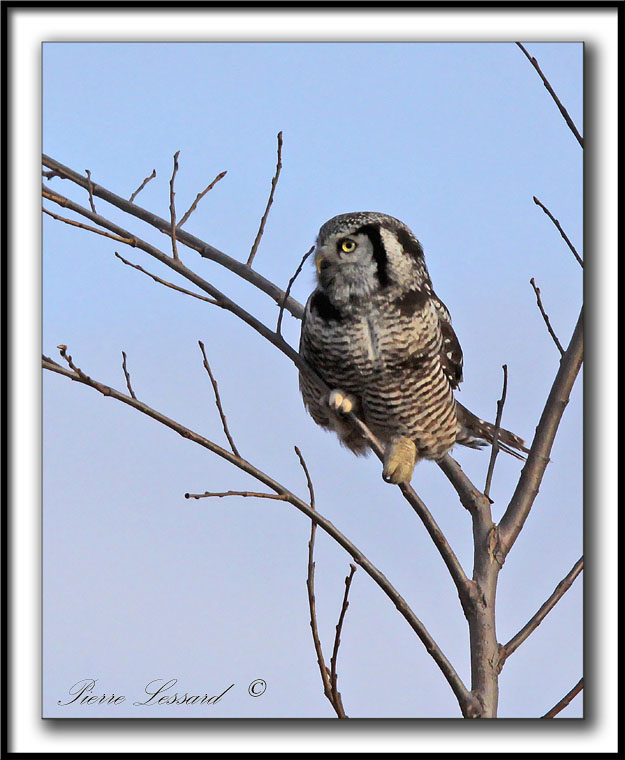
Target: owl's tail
x,y
475,433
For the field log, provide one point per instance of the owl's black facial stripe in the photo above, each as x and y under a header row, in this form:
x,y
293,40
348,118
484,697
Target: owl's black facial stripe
x,y
409,244
372,231
323,307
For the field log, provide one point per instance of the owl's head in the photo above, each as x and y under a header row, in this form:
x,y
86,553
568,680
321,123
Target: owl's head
x,y
364,252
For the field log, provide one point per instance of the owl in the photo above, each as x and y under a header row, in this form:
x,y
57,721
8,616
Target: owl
x,y
379,337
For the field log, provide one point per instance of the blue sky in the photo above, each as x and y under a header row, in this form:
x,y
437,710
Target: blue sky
x,y
139,583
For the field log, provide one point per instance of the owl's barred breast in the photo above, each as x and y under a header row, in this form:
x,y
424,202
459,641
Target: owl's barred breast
x,y
386,354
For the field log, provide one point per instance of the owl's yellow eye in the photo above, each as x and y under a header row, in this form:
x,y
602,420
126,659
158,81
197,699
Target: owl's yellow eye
x,y
348,246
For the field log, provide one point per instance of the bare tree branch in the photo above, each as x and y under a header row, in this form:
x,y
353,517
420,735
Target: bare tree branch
x,y
309,483
221,494
484,646
566,700
82,226
204,249
172,206
274,182
165,283
560,230
495,445
199,197
546,318
141,186
90,188
337,638
47,360
287,292
533,623
469,705
479,606
538,457
218,400
556,99
127,375
459,577
310,586
337,705
471,498
463,584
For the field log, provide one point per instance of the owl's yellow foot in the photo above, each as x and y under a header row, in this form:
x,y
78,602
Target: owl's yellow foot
x,y
400,458
340,402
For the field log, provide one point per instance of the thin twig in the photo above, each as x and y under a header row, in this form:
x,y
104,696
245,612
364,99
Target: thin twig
x,y
556,99
90,189
141,186
467,701
274,182
533,623
172,206
566,700
309,483
560,230
199,197
82,376
117,238
254,494
546,318
127,375
328,677
218,400
310,587
495,447
337,637
287,292
167,284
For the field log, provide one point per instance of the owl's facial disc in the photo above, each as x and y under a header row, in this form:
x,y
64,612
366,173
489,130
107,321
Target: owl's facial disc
x,y
345,265
341,250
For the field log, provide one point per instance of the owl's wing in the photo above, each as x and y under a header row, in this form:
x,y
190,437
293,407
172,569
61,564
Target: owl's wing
x,y
313,395
451,353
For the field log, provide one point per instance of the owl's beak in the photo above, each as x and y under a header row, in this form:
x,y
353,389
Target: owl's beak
x,y
321,261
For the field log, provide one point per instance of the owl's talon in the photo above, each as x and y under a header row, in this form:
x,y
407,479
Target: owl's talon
x,y
400,458
340,402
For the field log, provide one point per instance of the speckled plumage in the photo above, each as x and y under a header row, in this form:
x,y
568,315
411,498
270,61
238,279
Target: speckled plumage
x,y
380,338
